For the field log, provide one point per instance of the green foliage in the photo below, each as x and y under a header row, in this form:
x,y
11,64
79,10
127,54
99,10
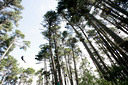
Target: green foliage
x,y
65,33
8,61
39,73
87,76
26,75
72,42
10,11
29,71
10,65
44,53
25,45
19,34
103,82
51,17
12,14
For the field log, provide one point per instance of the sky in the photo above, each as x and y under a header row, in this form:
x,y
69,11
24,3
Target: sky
x,y
30,25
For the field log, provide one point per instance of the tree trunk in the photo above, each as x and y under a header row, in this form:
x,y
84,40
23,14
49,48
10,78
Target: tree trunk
x,y
71,82
118,26
8,49
116,7
88,50
111,33
106,52
76,76
70,71
63,71
52,58
20,81
94,49
116,38
121,63
4,76
58,63
46,71
115,14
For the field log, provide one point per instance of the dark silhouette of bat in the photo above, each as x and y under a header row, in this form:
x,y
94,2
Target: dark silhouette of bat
x,y
22,57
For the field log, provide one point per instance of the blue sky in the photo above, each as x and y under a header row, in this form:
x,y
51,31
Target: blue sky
x,y
30,26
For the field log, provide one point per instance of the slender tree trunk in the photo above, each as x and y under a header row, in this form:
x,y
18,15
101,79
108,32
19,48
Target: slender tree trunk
x,y
58,63
52,58
53,80
64,76
98,56
39,82
70,70
76,76
4,76
111,33
116,7
118,26
106,52
46,71
110,48
20,81
121,63
94,49
8,49
112,44
116,38
63,73
42,82
88,50
115,15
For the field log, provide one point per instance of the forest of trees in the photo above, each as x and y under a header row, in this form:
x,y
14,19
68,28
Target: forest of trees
x,y
98,26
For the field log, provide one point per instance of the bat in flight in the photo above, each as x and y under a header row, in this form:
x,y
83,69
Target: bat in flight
x,y
22,58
